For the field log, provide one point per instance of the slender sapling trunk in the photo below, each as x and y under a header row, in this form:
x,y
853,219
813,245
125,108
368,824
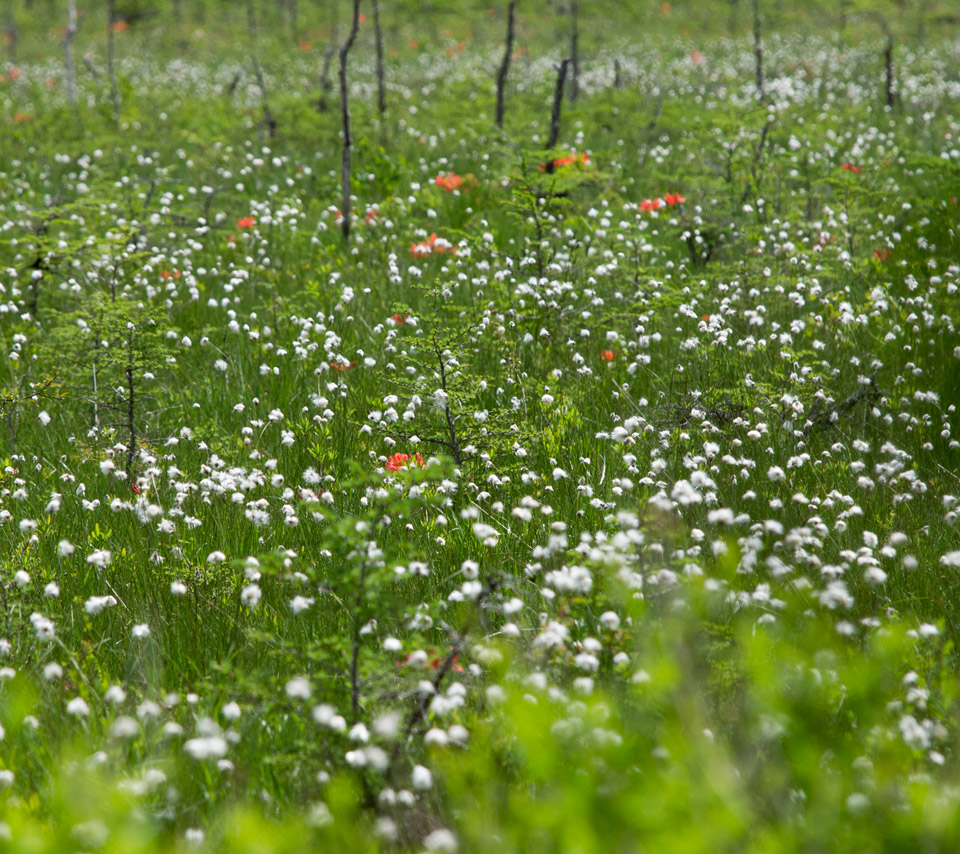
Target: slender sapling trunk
x,y
68,51
346,164
557,104
505,64
758,47
381,90
111,68
575,52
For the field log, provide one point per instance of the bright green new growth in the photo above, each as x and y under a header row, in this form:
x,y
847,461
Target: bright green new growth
x,y
600,498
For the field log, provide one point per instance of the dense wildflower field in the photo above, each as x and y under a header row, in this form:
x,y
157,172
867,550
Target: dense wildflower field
x,y
590,497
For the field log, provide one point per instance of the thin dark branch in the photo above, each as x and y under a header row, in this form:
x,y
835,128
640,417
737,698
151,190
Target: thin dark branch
x,y
346,164
557,104
378,35
505,64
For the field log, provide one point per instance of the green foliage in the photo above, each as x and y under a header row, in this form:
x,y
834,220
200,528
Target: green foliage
x,y
594,499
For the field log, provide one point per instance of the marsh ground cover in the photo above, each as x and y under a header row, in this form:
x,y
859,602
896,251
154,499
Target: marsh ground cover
x,y
592,498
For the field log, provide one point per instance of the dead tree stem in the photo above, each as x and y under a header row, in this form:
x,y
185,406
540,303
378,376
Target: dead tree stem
x,y
758,47
378,33
346,163
68,51
557,104
111,69
505,64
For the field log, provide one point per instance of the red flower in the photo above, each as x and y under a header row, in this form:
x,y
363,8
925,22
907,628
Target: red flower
x,y
339,367
850,167
433,244
608,355
370,217
650,205
449,181
398,318
673,199
882,254
581,158
246,222
135,488
398,461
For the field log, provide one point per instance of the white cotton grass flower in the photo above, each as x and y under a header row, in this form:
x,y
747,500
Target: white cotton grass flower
x,y
44,417
387,726
148,709
178,588
250,595
441,840
100,558
115,695
231,711
206,747
78,707
140,631
52,590
215,558
486,533
95,604
298,688
300,603
65,548
421,778
125,727
610,620
43,626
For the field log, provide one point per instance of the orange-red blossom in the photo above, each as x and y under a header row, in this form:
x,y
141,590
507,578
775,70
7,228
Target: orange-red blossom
x,y
581,158
451,181
399,461
433,244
